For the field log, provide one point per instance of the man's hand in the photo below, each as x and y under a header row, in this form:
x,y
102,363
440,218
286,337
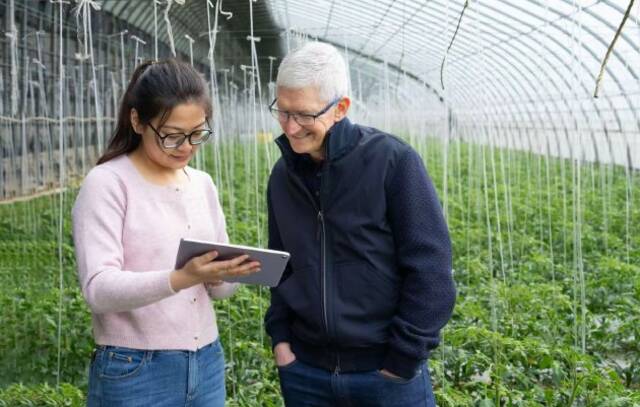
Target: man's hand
x,y
283,355
390,375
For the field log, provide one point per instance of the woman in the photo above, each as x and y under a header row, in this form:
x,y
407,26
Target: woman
x,y
155,329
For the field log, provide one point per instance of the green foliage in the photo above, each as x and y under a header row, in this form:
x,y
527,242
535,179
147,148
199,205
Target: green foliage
x,y
528,247
30,318
18,395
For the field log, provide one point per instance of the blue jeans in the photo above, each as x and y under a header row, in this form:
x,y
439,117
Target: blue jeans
x,y
142,378
305,385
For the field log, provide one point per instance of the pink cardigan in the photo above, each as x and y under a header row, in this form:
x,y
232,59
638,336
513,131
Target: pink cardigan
x,y
126,232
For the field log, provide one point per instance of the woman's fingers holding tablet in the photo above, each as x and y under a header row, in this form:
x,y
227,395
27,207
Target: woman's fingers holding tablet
x,y
238,266
205,268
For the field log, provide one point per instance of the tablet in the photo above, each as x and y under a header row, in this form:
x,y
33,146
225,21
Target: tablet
x,y
272,262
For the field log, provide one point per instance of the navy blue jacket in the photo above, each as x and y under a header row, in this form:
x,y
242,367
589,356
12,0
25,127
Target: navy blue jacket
x,y
369,283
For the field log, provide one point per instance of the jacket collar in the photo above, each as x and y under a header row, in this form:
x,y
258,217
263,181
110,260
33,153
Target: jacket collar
x,y
341,138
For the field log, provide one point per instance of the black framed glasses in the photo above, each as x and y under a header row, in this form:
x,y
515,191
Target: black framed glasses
x,y
303,119
175,140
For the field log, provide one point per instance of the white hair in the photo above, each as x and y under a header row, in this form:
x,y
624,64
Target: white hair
x,y
315,64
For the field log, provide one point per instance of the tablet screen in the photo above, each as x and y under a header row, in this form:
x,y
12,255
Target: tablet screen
x,y
272,262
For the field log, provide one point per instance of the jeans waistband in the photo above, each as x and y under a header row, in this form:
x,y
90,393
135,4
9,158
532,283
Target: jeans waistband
x,y
109,347
343,359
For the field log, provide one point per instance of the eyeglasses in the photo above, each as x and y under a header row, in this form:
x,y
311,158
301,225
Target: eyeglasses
x,y
175,140
302,119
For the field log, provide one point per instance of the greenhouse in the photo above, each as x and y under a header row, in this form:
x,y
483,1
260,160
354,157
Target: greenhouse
x,y
525,115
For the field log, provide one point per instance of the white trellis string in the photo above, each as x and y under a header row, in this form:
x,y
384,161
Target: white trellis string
x,y
13,38
84,8
219,133
121,34
155,29
80,112
191,41
61,193
1,104
114,92
217,122
255,82
255,85
169,29
123,77
41,69
271,59
227,14
138,40
579,283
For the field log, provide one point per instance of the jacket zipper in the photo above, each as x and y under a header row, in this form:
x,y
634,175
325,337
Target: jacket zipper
x,y
323,257
323,262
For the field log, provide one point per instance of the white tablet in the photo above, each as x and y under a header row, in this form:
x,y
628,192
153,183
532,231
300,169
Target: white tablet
x,y
272,262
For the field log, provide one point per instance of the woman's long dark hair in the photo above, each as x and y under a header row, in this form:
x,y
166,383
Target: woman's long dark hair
x,y
154,90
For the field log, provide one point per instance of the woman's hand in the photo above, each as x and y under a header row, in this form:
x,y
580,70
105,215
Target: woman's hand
x,y
203,269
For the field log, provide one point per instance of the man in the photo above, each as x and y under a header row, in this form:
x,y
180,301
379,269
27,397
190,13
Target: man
x,y
369,283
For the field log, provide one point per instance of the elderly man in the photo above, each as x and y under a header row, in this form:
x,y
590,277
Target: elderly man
x,y
369,284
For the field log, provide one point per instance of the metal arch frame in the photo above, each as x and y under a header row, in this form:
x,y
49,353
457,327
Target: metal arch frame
x,y
371,74
526,57
596,58
515,70
326,29
512,98
363,35
555,69
503,90
623,36
284,18
511,71
581,63
395,21
375,59
629,42
524,38
394,67
412,35
118,7
143,20
515,62
403,22
360,11
390,16
586,90
561,76
494,111
512,112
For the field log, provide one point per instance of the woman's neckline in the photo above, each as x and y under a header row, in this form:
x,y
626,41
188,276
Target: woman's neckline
x,y
186,170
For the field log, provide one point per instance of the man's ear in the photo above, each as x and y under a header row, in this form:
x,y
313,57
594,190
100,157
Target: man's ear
x,y
135,122
342,108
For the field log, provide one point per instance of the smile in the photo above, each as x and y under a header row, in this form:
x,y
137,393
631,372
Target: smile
x,y
301,137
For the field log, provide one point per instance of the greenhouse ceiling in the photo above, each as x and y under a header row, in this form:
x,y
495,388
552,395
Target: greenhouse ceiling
x,y
527,65
520,74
